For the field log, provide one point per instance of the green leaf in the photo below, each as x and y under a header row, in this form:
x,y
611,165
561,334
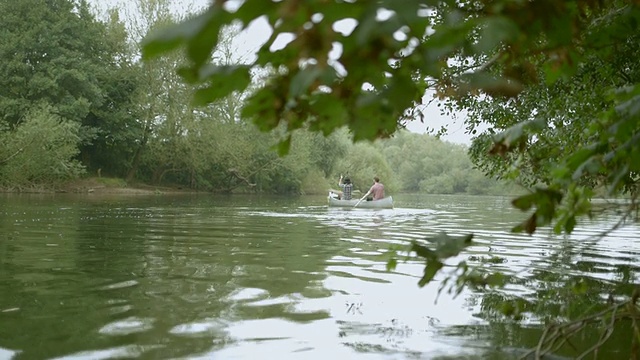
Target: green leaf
x,y
490,84
201,44
284,146
261,107
303,80
402,91
521,130
445,246
330,113
252,9
617,177
589,166
422,251
188,74
562,65
546,201
234,73
430,271
570,224
494,31
167,39
343,10
580,156
449,246
552,72
284,56
524,202
529,226
508,308
366,28
391,264
580,287
562,28
630,107
223,81
496,280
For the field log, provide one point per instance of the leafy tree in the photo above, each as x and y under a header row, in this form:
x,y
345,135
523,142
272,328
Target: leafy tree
x,y
161,100
42,60
423,163
442,184
326,151
362,163
54,53
115,119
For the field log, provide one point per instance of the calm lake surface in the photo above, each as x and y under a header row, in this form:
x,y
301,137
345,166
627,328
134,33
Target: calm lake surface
x,y
257,277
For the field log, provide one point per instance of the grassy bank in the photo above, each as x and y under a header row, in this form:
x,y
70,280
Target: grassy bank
x,y
98,185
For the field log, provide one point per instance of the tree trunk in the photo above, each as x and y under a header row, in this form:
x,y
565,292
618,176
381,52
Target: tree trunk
x,y
135,164
157,175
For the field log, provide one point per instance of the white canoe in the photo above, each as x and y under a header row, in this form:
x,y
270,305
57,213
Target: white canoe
x,y
386,203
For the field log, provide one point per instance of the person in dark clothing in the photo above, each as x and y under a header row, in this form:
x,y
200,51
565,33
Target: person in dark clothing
x,y
347,187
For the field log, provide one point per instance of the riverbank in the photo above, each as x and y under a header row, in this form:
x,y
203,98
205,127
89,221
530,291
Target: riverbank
x,y
100,185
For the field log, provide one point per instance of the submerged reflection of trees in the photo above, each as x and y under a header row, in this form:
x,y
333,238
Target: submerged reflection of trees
x,y
185,271
235,267
577,303
51,276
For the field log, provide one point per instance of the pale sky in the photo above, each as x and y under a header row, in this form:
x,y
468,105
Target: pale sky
x,y
257,33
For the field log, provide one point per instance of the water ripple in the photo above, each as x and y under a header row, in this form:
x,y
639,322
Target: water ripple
x,y
127,326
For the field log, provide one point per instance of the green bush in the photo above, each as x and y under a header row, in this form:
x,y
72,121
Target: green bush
x,y
315,183
39,151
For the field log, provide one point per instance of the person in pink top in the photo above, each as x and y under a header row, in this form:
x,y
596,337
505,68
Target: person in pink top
x,y
377,190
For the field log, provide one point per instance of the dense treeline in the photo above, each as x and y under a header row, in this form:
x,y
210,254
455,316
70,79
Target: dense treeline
x,y
77,101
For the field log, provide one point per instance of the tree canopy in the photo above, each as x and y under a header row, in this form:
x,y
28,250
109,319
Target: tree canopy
x,y
55,54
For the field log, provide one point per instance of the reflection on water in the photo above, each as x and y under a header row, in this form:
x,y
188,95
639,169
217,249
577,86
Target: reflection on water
x,y
84,277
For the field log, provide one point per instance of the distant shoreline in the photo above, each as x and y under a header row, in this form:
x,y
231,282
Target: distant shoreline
x,y
96,185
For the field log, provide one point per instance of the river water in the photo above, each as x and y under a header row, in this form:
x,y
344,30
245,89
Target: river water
x,y
259,277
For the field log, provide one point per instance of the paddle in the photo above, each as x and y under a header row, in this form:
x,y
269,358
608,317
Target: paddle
x,y
359,201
